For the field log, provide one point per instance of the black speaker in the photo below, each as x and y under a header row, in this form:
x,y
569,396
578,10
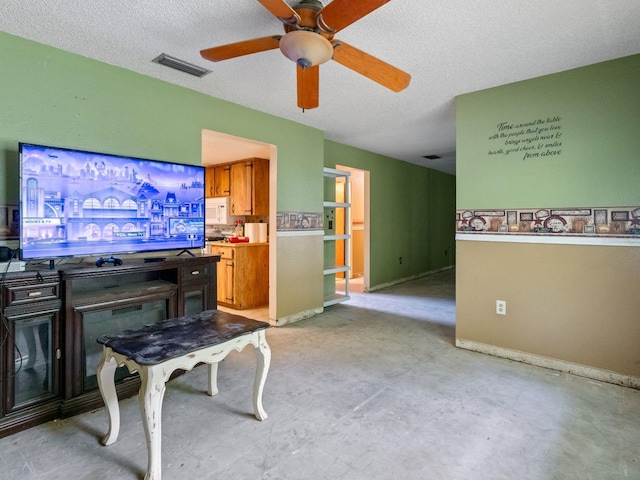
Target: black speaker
x,y
6,254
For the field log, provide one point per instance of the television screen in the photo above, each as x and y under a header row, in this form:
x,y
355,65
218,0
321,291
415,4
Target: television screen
x,y
77,203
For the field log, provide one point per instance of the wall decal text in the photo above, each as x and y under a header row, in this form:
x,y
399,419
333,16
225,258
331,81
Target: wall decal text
x,y
538,138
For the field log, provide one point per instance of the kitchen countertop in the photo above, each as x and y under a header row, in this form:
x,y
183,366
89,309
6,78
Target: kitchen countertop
x,y
239,244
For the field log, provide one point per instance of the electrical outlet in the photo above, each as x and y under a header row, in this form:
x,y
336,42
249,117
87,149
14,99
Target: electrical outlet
x,y
501,307
400,260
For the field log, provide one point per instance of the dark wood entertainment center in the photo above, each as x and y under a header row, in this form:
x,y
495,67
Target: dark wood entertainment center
x,y
51,319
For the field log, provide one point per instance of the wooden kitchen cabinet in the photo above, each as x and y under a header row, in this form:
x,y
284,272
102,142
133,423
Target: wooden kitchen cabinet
x,y
249,187
226,266
209,179
218,181
243,274
222,180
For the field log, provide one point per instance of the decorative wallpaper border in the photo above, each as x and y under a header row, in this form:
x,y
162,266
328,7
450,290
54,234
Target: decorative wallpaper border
x,y
589,221
296,221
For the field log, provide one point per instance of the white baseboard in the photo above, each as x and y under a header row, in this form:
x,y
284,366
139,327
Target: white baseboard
x,y
408,279
298,316
551,363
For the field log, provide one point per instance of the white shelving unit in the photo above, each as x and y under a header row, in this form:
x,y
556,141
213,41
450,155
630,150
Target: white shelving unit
x,y
346,268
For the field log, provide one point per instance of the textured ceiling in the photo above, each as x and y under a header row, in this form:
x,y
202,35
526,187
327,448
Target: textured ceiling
x,y
449,48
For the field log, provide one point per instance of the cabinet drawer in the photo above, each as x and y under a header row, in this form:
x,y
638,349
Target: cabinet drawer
x,y
35,309
226,253
24,294
195,273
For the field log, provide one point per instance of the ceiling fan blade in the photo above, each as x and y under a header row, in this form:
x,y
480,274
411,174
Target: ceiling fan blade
x,y
281,10
370,66
246,47
342,13
308,87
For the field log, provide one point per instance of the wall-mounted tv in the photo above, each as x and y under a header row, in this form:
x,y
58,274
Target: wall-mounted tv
x,y
80,203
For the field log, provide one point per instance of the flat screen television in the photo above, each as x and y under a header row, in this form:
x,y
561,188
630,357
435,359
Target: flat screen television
x,y
80,203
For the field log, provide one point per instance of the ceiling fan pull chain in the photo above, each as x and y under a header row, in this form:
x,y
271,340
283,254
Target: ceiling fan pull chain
x,y
302,84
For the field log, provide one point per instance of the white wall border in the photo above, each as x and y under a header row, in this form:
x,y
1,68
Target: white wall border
x,y
551,363
549,239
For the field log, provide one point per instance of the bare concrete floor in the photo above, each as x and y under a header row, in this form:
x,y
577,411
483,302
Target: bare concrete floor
x,y
372,389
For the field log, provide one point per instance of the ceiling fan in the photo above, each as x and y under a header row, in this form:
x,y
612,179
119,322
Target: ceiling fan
x,y
309,41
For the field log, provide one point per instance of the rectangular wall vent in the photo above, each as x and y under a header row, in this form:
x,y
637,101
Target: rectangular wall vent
x,y
177,64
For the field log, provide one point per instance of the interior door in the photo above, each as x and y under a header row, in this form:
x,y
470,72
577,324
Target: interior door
x,y
340,228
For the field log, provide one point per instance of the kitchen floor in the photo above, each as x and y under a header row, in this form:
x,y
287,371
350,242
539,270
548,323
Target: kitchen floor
x,y
371,389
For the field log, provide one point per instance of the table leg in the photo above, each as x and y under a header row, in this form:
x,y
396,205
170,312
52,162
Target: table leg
x,y
150,399
263,356
106,382
212,388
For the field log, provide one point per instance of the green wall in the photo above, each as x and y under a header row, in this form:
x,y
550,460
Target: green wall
x,y
53,97
569,303
599,110
412,214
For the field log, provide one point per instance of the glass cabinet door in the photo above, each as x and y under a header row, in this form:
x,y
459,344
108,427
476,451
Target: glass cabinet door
x,y
96,323
194,301
30,359
198,288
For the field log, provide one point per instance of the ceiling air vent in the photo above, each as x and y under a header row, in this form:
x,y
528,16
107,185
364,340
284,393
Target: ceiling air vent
x,y
431,157
176,63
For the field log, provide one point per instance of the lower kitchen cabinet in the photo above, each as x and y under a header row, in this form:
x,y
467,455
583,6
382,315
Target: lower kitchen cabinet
x,y
243,274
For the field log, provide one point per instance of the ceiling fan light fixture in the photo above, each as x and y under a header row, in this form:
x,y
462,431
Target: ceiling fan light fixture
x,y
306,48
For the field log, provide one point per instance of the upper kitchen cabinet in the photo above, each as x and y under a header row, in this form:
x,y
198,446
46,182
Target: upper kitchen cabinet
x,y
218,180
209,182
249,187
222,180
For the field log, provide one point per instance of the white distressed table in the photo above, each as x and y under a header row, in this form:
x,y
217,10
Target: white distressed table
x,y
157,350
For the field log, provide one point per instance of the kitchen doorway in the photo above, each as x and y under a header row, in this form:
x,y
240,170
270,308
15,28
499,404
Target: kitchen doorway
x,y
218,148
357,228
